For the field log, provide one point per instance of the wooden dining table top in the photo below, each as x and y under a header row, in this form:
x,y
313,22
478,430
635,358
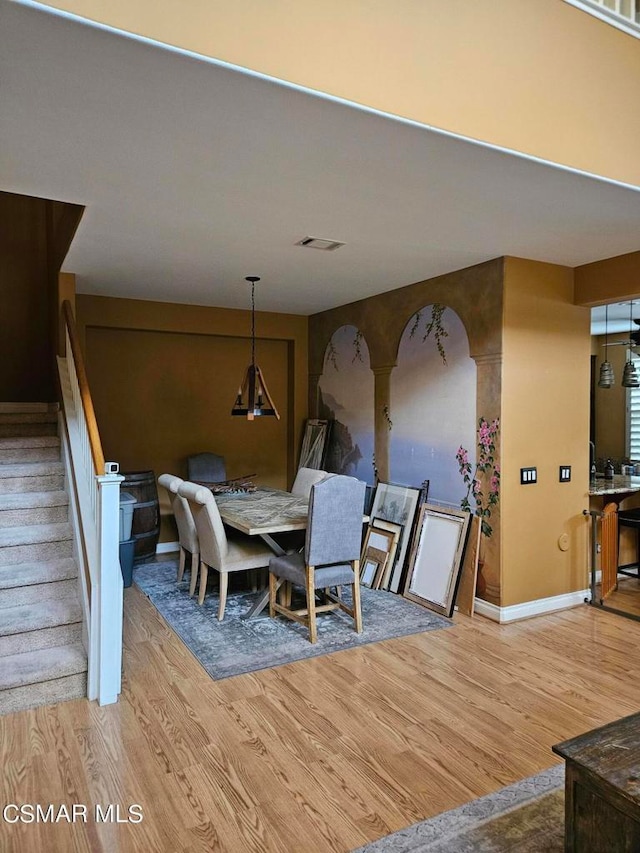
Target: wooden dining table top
x,y
264,511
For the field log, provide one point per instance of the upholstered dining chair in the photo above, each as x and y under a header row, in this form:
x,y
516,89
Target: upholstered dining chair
x,y
206,468
216,551
331,555
305,479
187,534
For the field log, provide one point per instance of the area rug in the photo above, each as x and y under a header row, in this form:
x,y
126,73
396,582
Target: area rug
x,y
236,646
526,817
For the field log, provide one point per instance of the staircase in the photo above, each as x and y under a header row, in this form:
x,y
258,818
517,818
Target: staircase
x,y
42,658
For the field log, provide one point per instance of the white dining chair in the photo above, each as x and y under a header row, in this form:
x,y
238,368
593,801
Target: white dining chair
x,y
305,479
187,534
216,550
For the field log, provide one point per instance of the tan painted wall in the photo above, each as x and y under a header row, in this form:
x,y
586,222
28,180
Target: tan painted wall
x,y
540,77
610,405
545,418
612,280
164,378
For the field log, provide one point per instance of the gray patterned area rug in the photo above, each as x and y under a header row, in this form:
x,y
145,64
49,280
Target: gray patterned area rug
x,y
235,645
526,817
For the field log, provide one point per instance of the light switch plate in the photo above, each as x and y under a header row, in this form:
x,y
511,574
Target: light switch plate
x,y
565,474
528,476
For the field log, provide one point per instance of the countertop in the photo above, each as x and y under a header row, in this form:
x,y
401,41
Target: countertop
x,y
620,484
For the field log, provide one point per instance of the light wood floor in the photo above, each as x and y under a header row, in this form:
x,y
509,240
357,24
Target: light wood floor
x,y
626,597
321,755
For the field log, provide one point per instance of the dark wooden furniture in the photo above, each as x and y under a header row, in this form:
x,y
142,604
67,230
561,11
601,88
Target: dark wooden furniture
x,y
602,788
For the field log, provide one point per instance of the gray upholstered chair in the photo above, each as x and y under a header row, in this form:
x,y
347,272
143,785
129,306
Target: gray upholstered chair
x,y
187,534
305,479
206,468
331,556
216,551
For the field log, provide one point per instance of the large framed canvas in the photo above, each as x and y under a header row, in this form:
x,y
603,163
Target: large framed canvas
x,y
436,557
396,503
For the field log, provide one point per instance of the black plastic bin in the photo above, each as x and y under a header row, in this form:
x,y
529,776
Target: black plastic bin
x,y
127,549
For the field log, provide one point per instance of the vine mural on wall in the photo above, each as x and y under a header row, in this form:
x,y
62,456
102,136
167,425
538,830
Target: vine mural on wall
x,y
433,399
346,393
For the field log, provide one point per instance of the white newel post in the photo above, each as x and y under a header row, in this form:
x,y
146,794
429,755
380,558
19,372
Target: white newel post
x,y
109,598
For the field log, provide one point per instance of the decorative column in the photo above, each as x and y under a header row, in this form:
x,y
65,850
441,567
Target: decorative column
x,y
382,418
489,395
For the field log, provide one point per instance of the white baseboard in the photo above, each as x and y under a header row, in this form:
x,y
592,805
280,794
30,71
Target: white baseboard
x,y
530,608
167,547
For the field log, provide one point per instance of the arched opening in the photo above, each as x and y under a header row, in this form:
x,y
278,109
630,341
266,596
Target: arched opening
x,y
346,393
433,404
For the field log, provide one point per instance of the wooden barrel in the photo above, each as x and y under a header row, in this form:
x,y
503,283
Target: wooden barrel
x,y
146,513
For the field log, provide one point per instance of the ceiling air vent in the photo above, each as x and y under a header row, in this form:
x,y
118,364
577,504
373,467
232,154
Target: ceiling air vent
x,y
319,243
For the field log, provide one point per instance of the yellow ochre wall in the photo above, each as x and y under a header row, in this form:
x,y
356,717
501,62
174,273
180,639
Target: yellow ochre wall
x,y
545,423
164,377
539,77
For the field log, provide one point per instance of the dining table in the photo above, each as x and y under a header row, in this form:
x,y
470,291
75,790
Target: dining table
x,y
262,513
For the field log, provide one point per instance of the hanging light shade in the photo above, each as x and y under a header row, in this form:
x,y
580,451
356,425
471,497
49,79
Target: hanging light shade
x,y
606,368
630,374
253,398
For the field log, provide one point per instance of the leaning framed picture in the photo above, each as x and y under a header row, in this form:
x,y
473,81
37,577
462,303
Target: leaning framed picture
x,y
377,553
436,557
398,504
314,444
396,531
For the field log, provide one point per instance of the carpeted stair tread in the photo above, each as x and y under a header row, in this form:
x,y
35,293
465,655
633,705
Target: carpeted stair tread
x,y
32,534
30,500
43,665
30,469
27,442
44,614
28,417
42,572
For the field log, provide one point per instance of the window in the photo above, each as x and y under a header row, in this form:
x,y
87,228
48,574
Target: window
x,y
633,416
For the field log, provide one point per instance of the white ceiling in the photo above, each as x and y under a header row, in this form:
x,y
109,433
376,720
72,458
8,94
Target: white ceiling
x,y
195,175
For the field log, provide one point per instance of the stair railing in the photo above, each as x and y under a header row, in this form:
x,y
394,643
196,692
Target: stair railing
x,y
95,505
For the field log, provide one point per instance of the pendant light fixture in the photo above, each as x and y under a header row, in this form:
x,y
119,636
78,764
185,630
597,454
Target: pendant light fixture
x,y
253,398
630,375
606,369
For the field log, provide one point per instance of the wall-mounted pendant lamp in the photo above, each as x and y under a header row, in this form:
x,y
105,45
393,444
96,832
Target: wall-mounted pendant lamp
x,y
606,369
630,375
253,398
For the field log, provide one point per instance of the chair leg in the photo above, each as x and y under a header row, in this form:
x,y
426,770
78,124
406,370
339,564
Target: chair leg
x,y
273,591
355,590
195,561
181,565
224,583
311,605
288,589
204,575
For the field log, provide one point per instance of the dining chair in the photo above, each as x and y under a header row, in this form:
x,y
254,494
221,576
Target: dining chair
x,y
331,555
206,468
305,479
187,534
216,550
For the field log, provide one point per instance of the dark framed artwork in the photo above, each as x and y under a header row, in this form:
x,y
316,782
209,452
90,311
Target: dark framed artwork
x,y
398,504
436,557
396,530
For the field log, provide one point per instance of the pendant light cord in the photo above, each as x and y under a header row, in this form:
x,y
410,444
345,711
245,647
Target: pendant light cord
x,y
253,323
606,330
